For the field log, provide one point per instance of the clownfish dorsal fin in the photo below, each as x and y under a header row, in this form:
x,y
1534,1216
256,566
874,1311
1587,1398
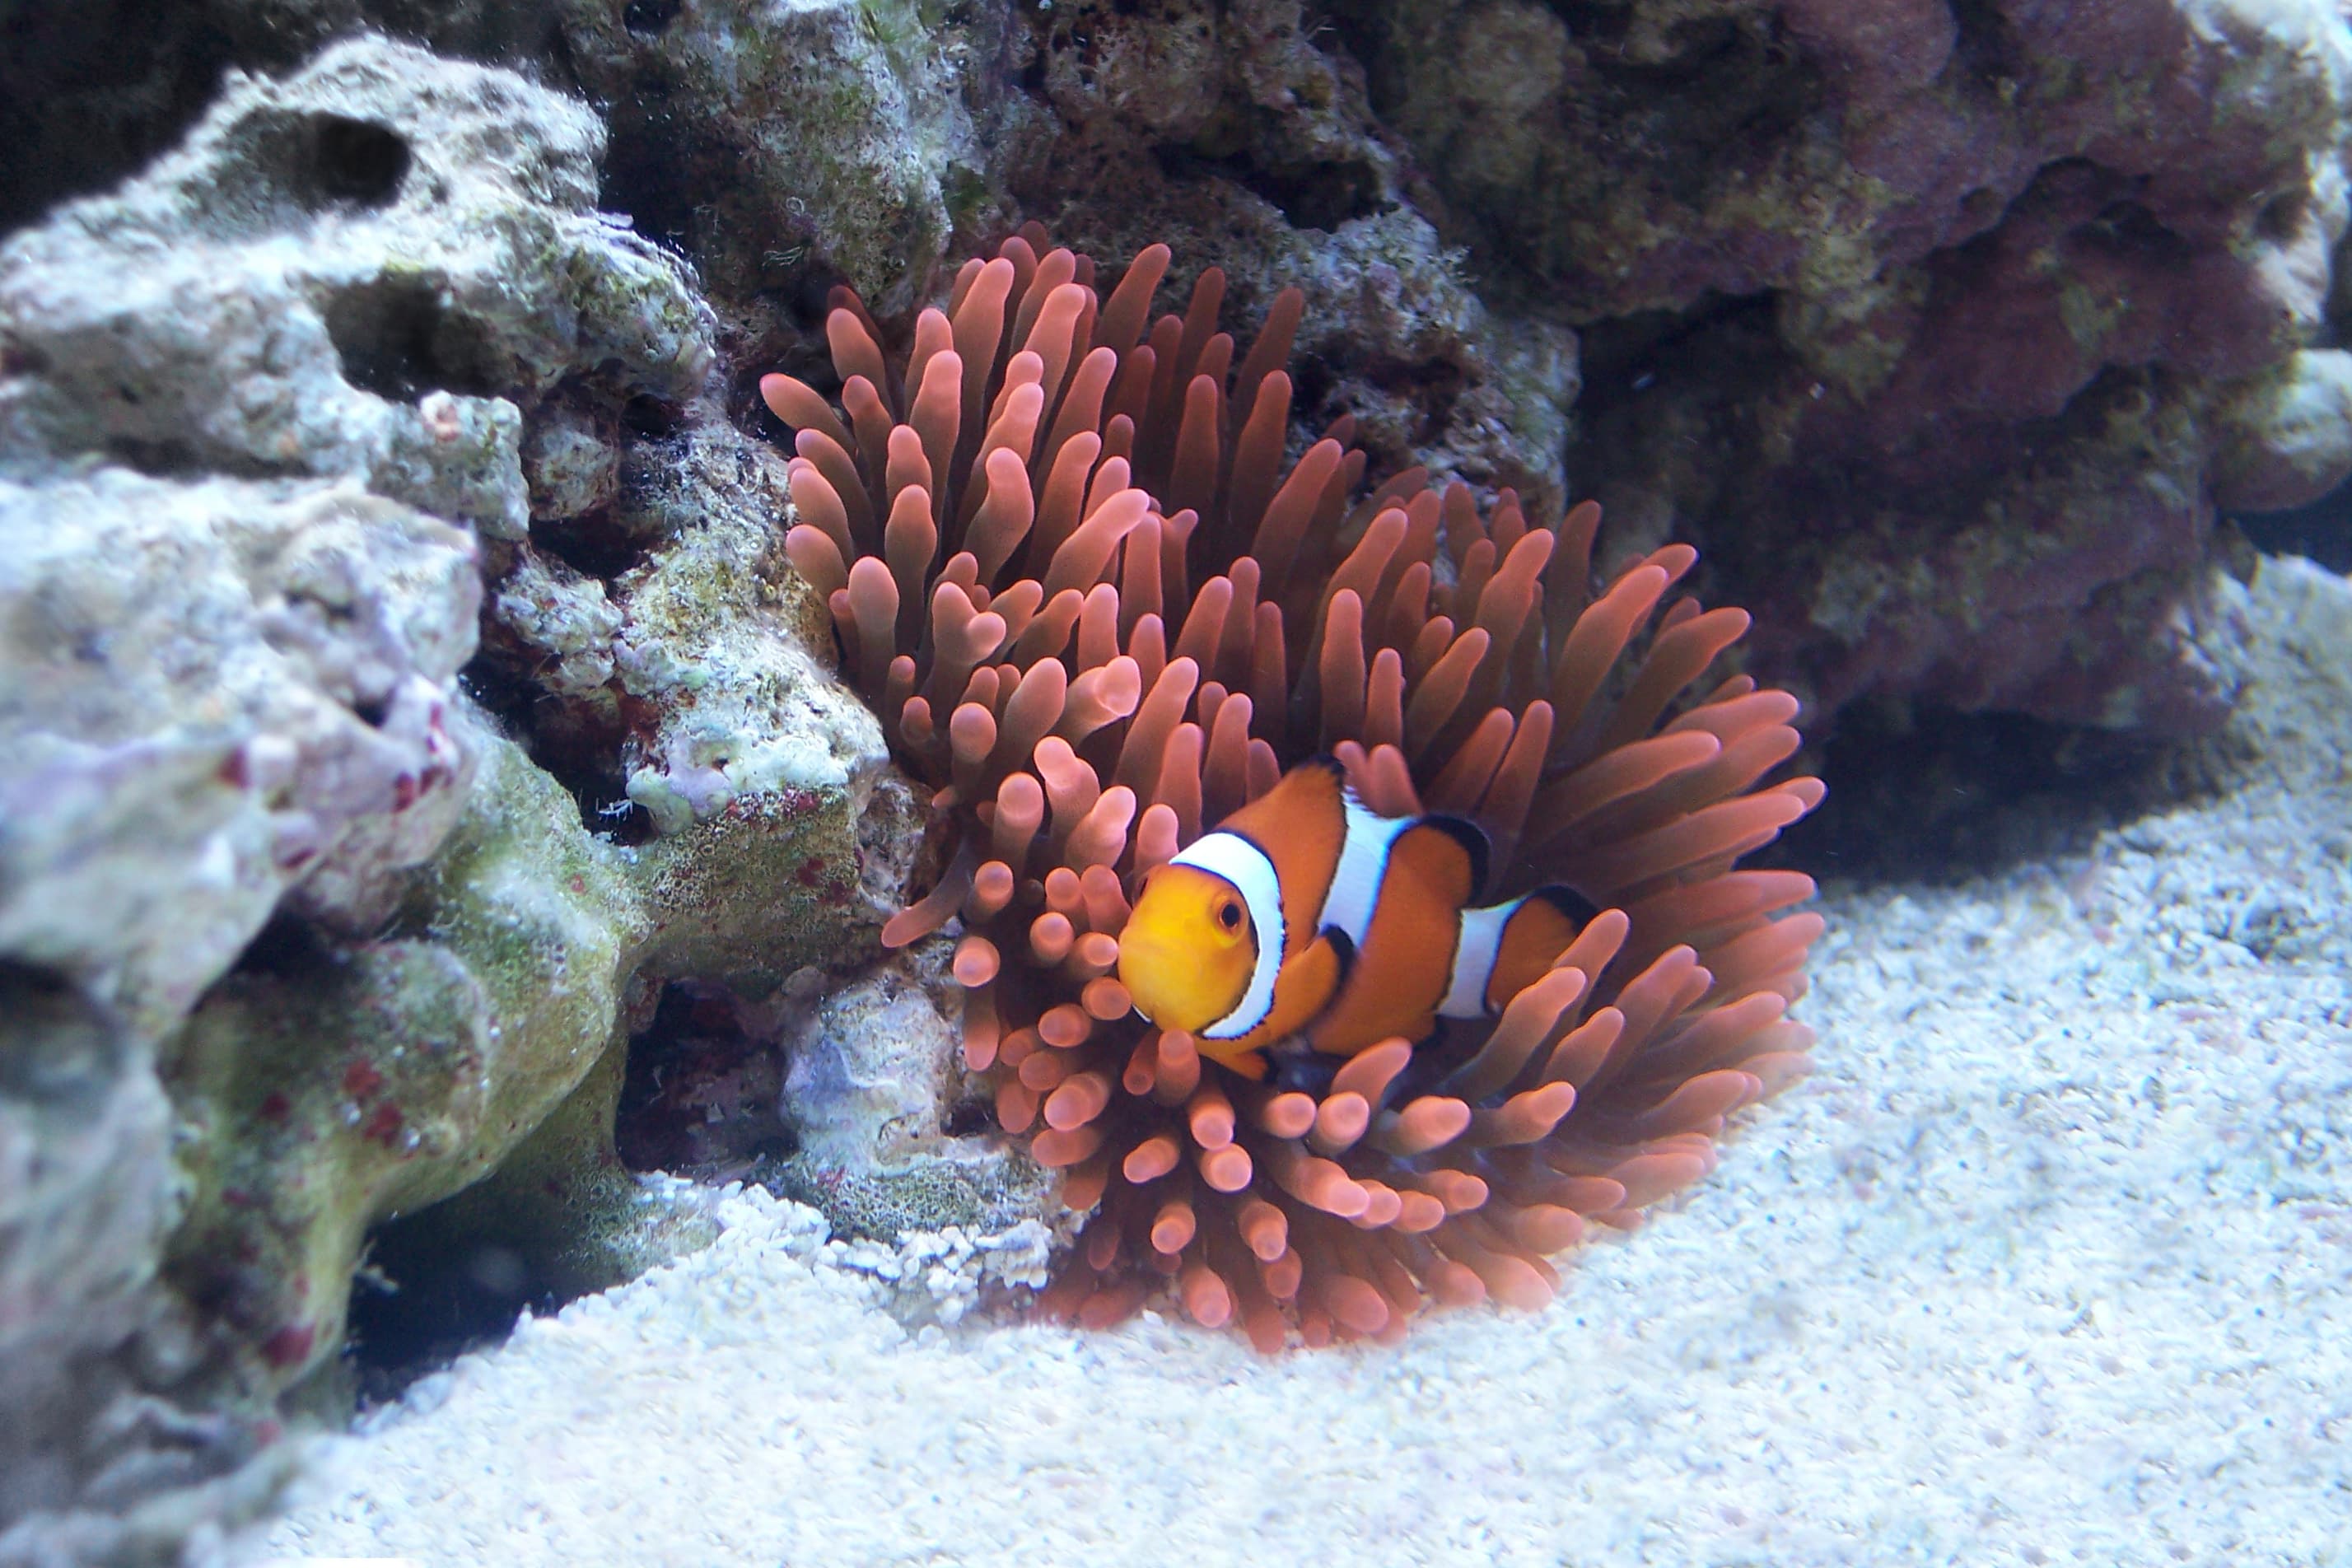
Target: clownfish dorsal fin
x,y
1473,839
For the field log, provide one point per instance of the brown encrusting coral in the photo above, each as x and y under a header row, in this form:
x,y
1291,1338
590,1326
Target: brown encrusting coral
x,y
1093,608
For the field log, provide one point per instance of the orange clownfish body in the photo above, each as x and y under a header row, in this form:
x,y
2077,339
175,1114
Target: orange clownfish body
x,y
1307,912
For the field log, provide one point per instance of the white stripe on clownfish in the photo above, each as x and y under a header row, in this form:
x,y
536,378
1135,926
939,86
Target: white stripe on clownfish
x,y
1474,959
1363,866
1252,873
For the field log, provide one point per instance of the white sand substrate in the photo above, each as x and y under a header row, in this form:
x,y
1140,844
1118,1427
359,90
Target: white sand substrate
x,y
2049,1262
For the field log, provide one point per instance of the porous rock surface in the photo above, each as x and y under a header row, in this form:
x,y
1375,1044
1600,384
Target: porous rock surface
x,y
877,1089
1949,333
764,136
1943,329
1240,136
300,927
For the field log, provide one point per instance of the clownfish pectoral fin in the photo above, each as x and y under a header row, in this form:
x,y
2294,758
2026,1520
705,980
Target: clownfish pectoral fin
x,y
1234,1056
1303,989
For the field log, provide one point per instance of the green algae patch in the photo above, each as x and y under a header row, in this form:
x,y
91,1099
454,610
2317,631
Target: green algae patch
x,y
564,1204
765,888
322,1087
925,1195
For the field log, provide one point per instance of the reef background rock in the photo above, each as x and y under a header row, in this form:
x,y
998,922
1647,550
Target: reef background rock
x,y
296,939
1944,331
1949,333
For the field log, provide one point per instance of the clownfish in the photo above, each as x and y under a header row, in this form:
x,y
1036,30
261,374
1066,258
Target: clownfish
x,y
1307,912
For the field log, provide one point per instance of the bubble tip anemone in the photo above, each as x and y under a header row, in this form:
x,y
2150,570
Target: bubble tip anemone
x,y
1096,614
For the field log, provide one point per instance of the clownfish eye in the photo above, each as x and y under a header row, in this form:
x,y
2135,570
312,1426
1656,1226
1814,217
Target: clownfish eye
x,y
1229,915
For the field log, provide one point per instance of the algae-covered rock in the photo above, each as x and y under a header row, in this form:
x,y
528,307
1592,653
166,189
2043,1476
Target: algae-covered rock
x,y
321,1086
324,1085
302,941
87,1198
886,1126
762,137
354,271
1240,136
716,636
1862,288
290,942
218,694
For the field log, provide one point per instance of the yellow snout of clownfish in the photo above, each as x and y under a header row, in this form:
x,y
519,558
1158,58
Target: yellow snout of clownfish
x,y
1187,951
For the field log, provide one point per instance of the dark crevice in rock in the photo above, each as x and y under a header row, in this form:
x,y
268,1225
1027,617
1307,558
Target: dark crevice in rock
x,y
594,544
33,1000
1986,47
651,172
1623,356
2125,228
423,1298
1355,27
180,459
1313,380
1032,79
287,948
614,815
2283,215
1934,797
398,339
562,65
357,160
2322,531
704,1091
652,418
577,744
968,1119
499,684
649,19
1309,195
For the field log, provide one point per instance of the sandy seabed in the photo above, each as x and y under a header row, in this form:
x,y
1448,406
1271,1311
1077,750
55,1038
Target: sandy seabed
x,y
2049,1262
